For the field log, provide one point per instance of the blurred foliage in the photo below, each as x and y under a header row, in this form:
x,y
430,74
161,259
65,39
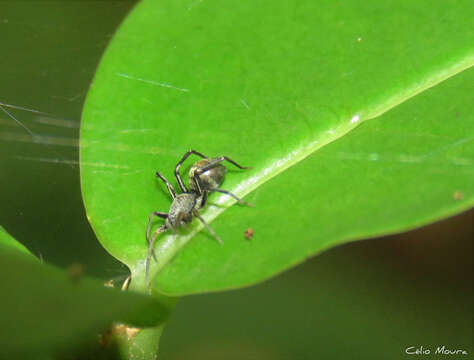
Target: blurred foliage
x,y
7,240
51,52
47,311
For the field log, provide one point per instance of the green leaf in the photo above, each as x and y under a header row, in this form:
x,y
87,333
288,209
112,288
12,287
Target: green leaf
x,y
271,86
47,311
6,239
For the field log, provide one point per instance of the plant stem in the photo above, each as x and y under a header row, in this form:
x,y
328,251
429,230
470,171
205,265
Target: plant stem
x,y
142,343
139,344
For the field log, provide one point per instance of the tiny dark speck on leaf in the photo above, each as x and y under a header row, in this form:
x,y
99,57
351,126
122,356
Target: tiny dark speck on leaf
x,y
458,195
248,233
75,271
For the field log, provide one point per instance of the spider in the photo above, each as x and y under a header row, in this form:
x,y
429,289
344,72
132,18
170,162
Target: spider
x,y
205,176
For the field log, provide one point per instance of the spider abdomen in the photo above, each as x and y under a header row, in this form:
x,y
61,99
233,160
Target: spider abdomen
x,y
209,179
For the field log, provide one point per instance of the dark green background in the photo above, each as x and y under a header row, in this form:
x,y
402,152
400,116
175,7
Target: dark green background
x,y
364,300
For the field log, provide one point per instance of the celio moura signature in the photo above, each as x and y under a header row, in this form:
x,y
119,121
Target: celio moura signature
x,y
440,350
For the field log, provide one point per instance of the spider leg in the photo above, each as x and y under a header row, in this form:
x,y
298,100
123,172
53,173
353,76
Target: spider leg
x,y
197,180
204,198
151,251
208,227
150,219
213,162
168,185
178,165
234,196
